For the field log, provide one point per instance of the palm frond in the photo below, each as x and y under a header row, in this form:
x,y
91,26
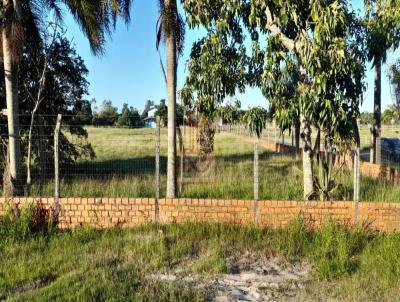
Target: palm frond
x,y
98,17
170,22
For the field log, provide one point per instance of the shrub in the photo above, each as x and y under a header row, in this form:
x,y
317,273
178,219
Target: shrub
x,y
19,224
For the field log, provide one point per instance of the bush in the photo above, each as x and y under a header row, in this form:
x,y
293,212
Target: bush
x,y
19,224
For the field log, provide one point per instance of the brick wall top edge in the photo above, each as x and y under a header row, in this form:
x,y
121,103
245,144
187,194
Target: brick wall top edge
x,y
84,200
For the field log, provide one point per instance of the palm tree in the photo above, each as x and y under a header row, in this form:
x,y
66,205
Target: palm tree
x,y
170,29
383,33
96,18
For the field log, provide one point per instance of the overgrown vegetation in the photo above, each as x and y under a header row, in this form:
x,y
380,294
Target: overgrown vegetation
x,y
117,264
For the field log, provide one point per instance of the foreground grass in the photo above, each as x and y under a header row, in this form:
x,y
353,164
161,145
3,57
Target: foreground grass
x,y
116,264
124,167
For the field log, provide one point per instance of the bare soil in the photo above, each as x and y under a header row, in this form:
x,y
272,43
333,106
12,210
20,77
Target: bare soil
x,y
250,277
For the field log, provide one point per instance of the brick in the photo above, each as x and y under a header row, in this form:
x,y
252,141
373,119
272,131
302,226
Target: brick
x,y
107,212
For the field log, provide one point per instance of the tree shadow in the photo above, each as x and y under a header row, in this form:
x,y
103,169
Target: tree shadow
x,y
115,167
145,166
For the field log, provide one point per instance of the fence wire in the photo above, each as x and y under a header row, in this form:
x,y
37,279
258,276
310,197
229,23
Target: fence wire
x,y
110,161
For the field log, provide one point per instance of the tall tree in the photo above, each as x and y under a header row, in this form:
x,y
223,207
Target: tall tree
x,y
383,32
62,91
170,29
217,69
96,19
320,35
394,81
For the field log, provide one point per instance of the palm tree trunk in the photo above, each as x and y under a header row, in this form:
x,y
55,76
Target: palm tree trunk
x,y
377,113
308,173
12,184
171,91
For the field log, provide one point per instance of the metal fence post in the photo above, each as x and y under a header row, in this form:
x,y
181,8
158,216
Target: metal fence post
x,y
157,170
372,151
57,129
256,179
356,184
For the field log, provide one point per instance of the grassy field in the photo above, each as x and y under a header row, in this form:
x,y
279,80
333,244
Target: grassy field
x,y
124,167
131,264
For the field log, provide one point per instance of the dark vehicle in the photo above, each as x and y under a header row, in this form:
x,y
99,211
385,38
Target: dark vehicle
x,y
390,150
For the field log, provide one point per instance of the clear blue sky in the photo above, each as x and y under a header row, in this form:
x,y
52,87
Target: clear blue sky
x,y
129,71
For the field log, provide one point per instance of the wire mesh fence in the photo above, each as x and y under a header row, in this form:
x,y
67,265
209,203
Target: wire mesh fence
x,y
227,162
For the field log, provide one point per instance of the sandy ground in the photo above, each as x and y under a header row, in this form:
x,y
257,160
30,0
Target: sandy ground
x,y
250,278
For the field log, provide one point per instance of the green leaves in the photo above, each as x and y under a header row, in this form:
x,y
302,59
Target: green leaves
x,y
255,120
217,69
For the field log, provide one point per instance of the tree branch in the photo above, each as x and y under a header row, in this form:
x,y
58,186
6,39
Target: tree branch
x,y
290,44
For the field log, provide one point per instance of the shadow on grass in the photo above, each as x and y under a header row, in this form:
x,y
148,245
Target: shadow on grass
x,y
117,167
145,165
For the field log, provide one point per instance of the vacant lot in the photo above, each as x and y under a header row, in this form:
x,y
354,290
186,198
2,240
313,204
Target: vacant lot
x,y
124,167
197,262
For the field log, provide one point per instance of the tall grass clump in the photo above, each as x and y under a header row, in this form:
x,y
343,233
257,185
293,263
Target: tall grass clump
x,y
335,250
295,240
380,262
20,224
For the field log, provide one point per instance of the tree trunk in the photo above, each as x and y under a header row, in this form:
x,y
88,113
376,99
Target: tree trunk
x,y
28,164
308,173
297,137
13,183
42,149
317,146
377,113
171,91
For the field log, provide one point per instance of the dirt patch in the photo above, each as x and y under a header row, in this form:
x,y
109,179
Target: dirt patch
x,y
249,278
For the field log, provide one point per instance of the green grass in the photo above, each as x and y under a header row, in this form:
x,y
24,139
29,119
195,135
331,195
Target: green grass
x,y
115,264
124,167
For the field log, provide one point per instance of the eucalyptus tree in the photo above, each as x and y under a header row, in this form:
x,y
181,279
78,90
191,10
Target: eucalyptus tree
x,y
171,30
282,90
216,70
321,37
20,18
382,22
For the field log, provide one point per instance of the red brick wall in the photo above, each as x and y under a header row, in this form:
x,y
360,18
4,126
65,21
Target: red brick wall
x,y
109,212
206,210
98,212
280,213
